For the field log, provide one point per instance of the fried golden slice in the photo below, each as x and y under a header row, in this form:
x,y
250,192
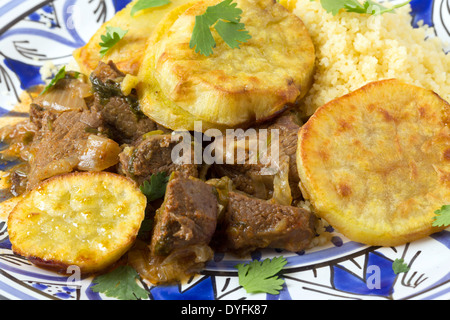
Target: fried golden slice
x,y
165,112
288,4
87,220
231,87
128,53
7,206
154,103
376,163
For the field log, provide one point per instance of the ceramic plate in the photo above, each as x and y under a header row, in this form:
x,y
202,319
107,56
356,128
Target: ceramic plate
x,y
33,32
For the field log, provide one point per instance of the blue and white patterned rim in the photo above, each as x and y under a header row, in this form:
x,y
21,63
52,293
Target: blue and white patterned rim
x,y
33,32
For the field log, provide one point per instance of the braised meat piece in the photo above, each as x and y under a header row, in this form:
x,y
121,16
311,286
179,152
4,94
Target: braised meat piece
x,y
187,217
251,223
257,179
122,113
68,141
153,154
40,117
184,227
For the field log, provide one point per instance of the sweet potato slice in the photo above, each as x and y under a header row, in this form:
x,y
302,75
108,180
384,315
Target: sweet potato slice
x,y
376,163
84,219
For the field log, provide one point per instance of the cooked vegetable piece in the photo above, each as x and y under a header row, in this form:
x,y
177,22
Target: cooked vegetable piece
x,y
84,219
375,163
178,86
128,52
178,266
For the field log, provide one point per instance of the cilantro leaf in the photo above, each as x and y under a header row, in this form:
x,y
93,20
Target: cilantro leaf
x,y
225,10
368,7
59,75
373,8
146,228
232,33
261,276
224,17
112,37
156,188
146,4
399,266
121,284
334,6
202,39
442,218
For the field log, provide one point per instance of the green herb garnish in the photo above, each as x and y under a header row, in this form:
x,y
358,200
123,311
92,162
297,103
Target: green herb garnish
x,y
110,88
399,266
61,74
146,4
121,283
368,7
259,276
111,38
156,188
442,218
225,18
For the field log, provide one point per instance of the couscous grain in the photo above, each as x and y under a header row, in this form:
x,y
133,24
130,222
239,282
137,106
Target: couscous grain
x,y
353,49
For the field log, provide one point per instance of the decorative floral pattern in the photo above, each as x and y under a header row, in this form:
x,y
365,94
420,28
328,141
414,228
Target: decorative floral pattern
x,y
33,32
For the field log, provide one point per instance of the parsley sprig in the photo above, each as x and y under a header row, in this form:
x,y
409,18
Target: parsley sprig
x,y
146,4
442,218
156,187
399,266
61,74
121,283
368,7
262,276
225,18
111,38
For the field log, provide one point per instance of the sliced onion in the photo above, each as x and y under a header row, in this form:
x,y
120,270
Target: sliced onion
x,y
68,96
178,266
281,188
54,168
99,154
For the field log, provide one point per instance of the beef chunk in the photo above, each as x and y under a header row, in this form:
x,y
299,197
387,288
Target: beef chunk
x,y
184,226
41,117
151,155
251,223
66,142
187,217
254,178
122,113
